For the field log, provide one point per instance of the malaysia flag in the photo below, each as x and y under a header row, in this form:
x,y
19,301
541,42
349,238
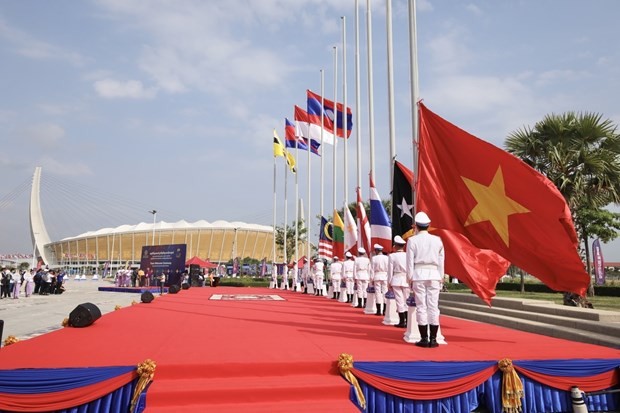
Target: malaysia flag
x,y
325,240
331,111
380,226
310,127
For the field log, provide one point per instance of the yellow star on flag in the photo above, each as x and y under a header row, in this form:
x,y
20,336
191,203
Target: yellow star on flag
x,y
493,205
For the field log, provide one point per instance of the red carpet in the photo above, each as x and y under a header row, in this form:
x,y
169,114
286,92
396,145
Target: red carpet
x,y
276,356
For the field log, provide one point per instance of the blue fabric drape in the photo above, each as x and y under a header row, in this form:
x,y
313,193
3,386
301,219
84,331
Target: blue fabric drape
x,y
36,381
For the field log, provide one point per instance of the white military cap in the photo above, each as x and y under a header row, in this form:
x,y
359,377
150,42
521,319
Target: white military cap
x,y
348,254
422,219
378,247
399,240
361,250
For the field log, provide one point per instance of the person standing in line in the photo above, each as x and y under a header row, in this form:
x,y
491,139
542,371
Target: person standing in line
x,y
16,279
335,276
361,276
378,276
318,270
425,270
397,279
141,280
304,275
29,281
347,273
162,281
5,278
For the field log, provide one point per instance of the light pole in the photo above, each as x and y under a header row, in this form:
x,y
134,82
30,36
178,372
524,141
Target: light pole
x,y
154,212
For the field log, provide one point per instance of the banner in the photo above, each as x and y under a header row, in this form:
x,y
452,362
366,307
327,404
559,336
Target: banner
x,y
161,258
599,263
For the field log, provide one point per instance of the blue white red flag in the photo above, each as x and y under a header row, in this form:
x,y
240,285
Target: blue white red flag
x,y
334,112
291,139
599,263
380,225
310,127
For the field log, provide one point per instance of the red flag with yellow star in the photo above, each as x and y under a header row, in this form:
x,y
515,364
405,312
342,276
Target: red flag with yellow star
x,y
496,201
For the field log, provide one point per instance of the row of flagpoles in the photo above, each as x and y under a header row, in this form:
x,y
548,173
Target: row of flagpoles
x,y
328,121
488,207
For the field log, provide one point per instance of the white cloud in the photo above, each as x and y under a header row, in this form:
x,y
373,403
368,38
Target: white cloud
x,y
474,9
56,167
448,51
554,76
31,47
47,135
115,89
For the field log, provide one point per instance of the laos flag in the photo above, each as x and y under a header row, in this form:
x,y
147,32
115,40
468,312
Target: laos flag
x,y
335,112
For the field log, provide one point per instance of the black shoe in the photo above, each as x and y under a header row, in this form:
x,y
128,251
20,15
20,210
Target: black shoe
x,y
402,323
378,309
433,343
423,342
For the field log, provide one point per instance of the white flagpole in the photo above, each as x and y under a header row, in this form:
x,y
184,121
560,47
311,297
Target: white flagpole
x,y
309,224
273,267
390,69
358,104
285,208
413,62
344,108
296,212
334,170
371,103
310,146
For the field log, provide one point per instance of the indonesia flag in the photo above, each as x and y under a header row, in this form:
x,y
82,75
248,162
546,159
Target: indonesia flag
x,y
380,226
363,224
310,127
335,113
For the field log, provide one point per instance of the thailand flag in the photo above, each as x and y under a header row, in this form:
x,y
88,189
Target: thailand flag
x,y
291,139
380,226
331,111
309,127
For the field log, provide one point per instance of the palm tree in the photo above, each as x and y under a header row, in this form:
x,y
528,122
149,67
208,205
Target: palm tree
x,y
580,154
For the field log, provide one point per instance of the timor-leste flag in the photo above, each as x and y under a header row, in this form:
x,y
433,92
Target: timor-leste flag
x,y
472,188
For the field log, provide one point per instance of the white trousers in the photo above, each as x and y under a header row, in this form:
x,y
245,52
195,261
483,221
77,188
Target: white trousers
x,y
400,296
380,290
427,301
362,288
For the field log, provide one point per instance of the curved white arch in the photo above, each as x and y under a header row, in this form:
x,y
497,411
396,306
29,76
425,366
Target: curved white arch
x,y
38,232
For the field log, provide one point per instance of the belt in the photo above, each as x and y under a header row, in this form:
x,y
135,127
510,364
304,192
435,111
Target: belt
x,y
399,273
425,267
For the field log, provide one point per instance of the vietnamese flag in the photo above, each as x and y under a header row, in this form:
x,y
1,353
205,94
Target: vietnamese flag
x,y
470,187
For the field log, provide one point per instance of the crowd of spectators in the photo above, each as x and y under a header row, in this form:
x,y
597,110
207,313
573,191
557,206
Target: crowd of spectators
x,y
42,281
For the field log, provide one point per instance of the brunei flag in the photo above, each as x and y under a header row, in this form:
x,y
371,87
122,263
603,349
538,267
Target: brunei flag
x,y
278,150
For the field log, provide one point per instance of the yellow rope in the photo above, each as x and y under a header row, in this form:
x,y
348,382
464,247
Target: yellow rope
x,y
117,307
10,340
146,371
345,364
65,322
512,387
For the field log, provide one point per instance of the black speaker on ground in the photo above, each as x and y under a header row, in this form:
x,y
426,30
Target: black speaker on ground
x,y
185,286
147,297
84,315
173,289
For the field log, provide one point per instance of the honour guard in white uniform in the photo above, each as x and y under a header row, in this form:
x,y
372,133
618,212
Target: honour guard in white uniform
x,y
361,276
425,269
335,276
397,279
378,276
347,274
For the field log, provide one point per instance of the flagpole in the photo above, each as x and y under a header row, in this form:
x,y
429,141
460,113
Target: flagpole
x,y
296,213
285,211
334,170
413,62
390,69
310,141
344,109
309,225
371,103
273,268
358,134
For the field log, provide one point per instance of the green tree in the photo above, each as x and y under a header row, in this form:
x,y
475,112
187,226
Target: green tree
x,y
580,154
290,239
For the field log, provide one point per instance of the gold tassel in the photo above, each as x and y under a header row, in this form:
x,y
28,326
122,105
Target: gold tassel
x,y
117,307
10,340
146,371
345,364
512,387
65,322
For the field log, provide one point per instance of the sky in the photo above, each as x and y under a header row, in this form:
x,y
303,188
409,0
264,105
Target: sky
x,y
134,105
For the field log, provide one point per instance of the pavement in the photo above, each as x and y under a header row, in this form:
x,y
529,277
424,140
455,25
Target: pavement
x,y
28,317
